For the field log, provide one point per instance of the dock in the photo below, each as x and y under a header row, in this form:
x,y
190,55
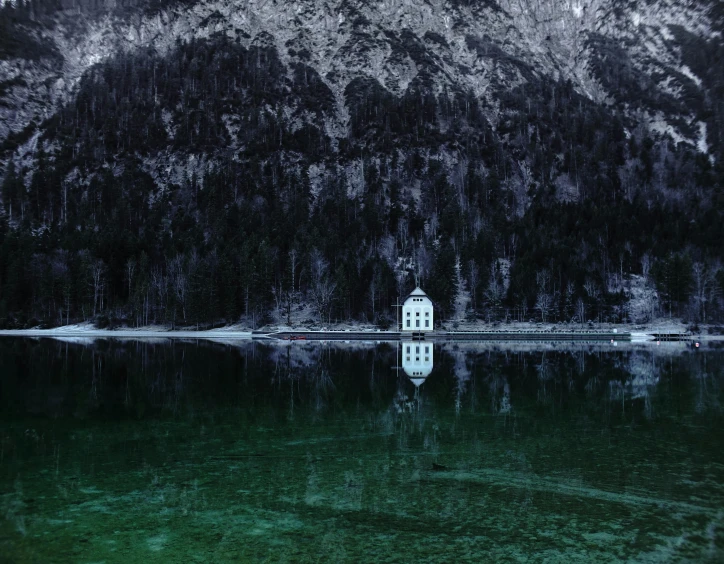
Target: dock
x,y
687,337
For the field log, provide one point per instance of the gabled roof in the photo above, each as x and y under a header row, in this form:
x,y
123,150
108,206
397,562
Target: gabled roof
x,y
417,293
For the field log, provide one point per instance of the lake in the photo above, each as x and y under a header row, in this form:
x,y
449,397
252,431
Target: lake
x,y
194,451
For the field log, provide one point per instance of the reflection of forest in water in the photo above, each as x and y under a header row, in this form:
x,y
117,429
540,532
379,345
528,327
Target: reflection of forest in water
x,y
124,451
121,378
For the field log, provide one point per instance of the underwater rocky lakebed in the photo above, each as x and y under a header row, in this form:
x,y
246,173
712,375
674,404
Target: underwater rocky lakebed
x,y
174,451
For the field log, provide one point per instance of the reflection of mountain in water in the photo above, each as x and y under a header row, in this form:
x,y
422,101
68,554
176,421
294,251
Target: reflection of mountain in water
x,y
417,361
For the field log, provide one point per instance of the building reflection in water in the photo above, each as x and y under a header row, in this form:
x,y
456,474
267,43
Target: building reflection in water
x,y
417,361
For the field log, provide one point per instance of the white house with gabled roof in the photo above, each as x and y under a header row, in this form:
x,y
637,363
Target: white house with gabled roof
x,y
417,312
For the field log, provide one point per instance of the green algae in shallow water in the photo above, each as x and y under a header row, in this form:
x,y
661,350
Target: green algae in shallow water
x,y
318,453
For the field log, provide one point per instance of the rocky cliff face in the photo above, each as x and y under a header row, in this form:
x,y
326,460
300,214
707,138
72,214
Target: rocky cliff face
x,y
485,47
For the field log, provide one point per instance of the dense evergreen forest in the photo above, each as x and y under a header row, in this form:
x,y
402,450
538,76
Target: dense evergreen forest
x,y
547,206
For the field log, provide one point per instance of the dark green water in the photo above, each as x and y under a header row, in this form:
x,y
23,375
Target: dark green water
x,y
206,452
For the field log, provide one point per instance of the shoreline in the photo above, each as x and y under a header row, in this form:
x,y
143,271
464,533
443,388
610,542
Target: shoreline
x,y
287,334
126,334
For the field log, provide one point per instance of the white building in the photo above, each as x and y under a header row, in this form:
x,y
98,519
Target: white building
x,y
417,360
417,312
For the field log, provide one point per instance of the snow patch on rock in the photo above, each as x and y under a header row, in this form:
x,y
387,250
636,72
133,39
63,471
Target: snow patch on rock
x,y
686,71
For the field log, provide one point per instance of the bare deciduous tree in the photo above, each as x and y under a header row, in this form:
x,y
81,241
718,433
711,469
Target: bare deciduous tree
x,y
704,288
544,300
323,295
581,310
179,282
591,289
130,272
293,262
523,309
284,301
543,304
318,265
402,236
160,287
646,265
97,273
277,292
374,295
322,288
494,292
543,279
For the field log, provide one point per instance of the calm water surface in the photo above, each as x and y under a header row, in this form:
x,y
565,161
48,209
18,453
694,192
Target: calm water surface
x,y
135,451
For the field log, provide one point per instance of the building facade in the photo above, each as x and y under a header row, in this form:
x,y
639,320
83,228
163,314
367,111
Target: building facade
x,y
417,312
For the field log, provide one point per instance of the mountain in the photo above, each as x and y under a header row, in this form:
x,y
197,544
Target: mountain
x,y
200,161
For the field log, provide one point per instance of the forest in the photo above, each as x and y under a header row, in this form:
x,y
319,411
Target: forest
x,y
546,207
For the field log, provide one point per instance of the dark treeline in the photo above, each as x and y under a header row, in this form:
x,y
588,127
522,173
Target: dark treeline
x,y
546,216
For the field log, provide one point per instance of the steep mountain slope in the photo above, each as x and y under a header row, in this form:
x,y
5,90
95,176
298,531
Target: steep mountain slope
x,y
608,49
430,134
